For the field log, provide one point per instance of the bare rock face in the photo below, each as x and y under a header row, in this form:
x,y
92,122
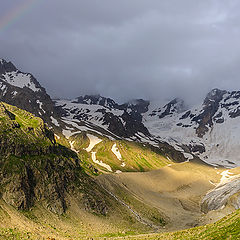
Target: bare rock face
x,y
96,100
6,67
20,192
42,180
95,205
210,107
174,106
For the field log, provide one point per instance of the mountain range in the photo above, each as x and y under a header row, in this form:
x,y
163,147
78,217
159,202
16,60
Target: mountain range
x,y
60,152
208,131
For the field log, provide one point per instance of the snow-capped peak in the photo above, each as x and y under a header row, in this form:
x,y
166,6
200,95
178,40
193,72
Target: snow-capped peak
x,y
214,95
175,106
11,75
6,66
96,100
20,80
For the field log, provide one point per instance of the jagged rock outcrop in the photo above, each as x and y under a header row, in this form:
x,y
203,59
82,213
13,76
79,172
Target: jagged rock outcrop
x,y
49,180
210,107
24,91
123,120
96,100
209,130
23,134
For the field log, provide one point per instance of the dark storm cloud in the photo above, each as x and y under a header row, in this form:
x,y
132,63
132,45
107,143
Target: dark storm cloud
x,y
127,49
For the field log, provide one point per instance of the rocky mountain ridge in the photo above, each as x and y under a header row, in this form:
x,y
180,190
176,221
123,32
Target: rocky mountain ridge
x,y
123,120
208,131
24,91
203,131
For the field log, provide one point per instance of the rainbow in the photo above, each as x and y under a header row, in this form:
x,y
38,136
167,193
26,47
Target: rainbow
x,y
14,14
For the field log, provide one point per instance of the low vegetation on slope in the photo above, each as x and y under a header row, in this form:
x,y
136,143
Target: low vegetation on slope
x,y
134,157
226,228
137,157
21,133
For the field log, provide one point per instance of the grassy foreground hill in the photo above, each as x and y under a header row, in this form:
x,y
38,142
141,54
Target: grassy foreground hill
x,y
226,228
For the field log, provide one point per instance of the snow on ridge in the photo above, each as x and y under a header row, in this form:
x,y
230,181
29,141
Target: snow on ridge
x,y
123,164
101,163
20,80
221,142
226,177
72,146
3,87
54,121
91,113
116,151
69,133
14,93
93,142
56,136
40,105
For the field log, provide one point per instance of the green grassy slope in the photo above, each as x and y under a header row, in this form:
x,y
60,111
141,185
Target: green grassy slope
x,y
22,133
226,228
135,156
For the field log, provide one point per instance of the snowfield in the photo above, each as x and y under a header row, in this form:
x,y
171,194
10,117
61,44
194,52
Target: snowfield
x,y
93,142
116,151
221,142
100,162
20,80
54,121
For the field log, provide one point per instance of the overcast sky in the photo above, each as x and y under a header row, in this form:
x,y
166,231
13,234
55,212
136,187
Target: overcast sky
x,y
126,49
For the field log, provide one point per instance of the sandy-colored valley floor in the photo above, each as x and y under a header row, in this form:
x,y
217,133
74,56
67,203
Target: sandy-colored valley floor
x,y
172,193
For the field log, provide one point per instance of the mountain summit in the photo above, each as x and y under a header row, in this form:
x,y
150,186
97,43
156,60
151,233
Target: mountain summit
x,y
23,90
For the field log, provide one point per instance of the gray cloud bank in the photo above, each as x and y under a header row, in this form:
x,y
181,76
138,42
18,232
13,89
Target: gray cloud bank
x,y
127,49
